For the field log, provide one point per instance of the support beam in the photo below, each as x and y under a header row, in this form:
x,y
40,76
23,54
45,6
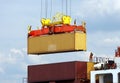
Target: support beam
x,y
93,75
101,78
115,77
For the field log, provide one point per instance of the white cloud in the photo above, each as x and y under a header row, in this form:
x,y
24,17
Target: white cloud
x,y
103,42
13,63
114,40
6,59
94,8
104,38
2,70
24,50
12,57
17,51
116,5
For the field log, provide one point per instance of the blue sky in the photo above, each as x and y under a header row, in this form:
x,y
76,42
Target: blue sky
x,y
103,32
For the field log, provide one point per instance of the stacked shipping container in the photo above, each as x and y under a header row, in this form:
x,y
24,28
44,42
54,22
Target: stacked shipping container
x,y
66,72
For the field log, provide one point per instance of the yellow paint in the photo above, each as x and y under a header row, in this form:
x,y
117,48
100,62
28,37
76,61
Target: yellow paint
x,y
45,22
66,19
55,23
57,43
80,41
90,67
51,43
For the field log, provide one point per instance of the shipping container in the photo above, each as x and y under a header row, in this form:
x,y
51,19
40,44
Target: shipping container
x,y
65,72
75,41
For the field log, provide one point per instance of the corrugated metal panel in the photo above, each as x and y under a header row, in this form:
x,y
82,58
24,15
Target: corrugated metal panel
x,y
50,72
80,41
57,72
57,43
81,70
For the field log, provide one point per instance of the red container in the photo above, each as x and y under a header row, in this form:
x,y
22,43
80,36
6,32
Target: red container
x,y
58,29
67,28
66,72
45,31
64,28
35,33
81,28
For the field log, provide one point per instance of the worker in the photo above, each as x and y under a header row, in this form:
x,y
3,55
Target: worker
x,y
91,57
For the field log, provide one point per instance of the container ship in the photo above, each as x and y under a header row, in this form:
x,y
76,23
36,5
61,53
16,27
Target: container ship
x,y
61,36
